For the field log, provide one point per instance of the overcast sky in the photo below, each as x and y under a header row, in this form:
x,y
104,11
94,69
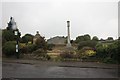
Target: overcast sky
x,y
49,17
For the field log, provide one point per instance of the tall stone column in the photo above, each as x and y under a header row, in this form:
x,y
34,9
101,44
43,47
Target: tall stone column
x,y
68,33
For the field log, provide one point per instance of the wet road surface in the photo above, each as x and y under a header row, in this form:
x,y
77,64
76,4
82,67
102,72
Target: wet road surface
x,y
58,70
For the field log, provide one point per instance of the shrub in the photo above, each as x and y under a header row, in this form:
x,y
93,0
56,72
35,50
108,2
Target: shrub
x,y
8,35
109,60
50,46
40,42
95,38
9,48
85,37
23,48
31,48
86,44
90,52
27,38
39,51
41,54
27,48
113,51
102,50
67,54
108,52
86,52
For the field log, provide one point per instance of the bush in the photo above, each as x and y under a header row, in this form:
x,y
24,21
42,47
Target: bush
x,y
67,54
40,43
50,46
24,49
90,52
31,48
108,52
109,60
86,52
41,54
8,35
27,38
102,50
9,48
113,51
87,44
85,37
27,48
39,51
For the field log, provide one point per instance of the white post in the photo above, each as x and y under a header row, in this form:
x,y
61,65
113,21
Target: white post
x,y
68,37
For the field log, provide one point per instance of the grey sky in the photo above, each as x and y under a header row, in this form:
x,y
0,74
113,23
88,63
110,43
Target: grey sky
x,y
49,17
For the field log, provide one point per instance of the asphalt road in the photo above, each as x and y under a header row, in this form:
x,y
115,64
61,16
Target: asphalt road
x,y
58,70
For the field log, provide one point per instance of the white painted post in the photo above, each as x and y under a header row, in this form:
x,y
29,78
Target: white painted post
x,y
68,37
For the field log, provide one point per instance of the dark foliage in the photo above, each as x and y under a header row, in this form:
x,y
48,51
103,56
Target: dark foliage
x,y
87,44
41,54
41,43
50,46
9,48
108,52
8,35
28,48
26,38
67,54
83,38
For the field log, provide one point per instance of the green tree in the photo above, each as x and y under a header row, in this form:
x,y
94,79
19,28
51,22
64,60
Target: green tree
x,y
85,37
95,38
41,50
86,52
110,38
79,39
8,35
27,48
27,38
41,43
108,52
113,50
86,44
50,46
102,50
9,48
